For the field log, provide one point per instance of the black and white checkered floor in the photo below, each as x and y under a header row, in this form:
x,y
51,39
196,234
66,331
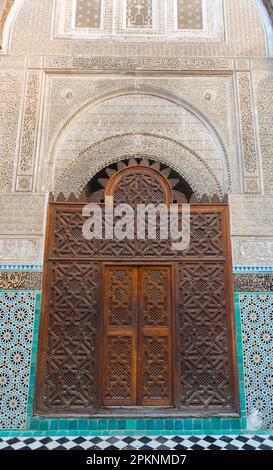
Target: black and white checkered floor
x,y
206,442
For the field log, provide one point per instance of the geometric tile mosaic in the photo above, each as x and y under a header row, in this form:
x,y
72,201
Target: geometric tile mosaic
x,y
16,330
256,311
17,354
174,442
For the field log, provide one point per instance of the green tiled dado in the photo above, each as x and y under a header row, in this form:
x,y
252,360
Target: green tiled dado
x,y
159,425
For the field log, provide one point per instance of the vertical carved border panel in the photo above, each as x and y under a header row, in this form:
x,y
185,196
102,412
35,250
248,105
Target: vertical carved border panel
x,y
26,159
249,149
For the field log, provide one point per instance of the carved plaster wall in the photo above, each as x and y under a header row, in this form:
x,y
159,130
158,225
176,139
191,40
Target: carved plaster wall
x,y
263,92
21,228
252,230
136,107
244,35
72,104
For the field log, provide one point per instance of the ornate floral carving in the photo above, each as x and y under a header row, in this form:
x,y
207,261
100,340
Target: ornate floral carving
x,y
247,125
263,83
253,250
20,281
139,13
113,149
11,89
20,250
253,282
29,128
138,63
252,215
5,6
21,214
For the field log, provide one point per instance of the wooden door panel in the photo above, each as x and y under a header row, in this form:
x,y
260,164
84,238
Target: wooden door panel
x,y
119,345
119,369
137,342
155,352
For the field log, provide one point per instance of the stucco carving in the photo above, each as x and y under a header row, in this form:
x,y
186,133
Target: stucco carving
x,y
138,63
20,250
20,281
256,249
245,37
253,283
247,125
11,90
251,215
91,160
21,214
263,86
142,108
29,127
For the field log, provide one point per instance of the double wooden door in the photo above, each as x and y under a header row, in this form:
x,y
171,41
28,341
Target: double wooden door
x,y
137,335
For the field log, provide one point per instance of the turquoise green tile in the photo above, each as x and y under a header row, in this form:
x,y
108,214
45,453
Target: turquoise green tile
x,y
140,424
235,424
215,423
179,424
34,425
121,424
93,425
131,424
197,424
72,424
44,425
112,424
63,424
169,424
150,424
188,424
225,424
206,424
83,424
159,424
103,423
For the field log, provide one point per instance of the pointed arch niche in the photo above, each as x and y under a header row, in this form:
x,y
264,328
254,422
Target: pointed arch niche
x,y
145,121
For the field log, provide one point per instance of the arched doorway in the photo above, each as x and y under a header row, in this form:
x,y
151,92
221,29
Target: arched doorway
x,y
133,324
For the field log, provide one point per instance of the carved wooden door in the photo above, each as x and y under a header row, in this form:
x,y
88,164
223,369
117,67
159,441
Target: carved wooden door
x,y
134,322
136,350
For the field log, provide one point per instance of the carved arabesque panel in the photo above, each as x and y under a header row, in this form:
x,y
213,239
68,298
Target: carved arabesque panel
x,y
139,14
206,238
203,333
138,189
156,372
155,298
70,374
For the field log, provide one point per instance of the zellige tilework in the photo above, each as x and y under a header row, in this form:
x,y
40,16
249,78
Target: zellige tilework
x,y
257,333
16,332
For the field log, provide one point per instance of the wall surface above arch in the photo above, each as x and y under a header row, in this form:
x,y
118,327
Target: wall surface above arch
x,y
49,28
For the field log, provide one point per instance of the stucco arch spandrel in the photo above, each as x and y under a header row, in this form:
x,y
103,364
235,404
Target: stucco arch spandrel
x,y
71,129
195,171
